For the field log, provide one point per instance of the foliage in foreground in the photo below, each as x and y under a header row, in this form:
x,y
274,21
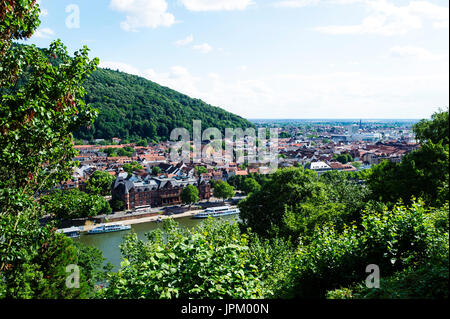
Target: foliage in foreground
x,y
405,241
40,106
213,260
36,258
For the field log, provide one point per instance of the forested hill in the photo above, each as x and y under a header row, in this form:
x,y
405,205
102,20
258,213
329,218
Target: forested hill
x,y
132,107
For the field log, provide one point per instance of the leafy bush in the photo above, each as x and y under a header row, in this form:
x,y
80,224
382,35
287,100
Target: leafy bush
x,y
403,238
210,261
34,262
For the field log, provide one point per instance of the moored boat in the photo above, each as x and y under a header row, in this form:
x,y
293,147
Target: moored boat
x,y
217,212
72,232
108,228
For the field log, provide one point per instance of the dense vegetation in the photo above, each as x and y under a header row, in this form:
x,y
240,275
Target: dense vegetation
x,y
295,200
37,118
73,203
133,108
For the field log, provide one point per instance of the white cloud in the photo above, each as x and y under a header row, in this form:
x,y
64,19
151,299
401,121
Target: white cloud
x,y
439,15
308,3
332,94
44,12
143,13
388,19
203,48
184,41
335,94
216,5
295,3
413,52
124,67
177,78
44,33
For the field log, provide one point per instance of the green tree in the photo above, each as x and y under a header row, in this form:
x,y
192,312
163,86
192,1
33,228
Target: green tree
x,y
100,183
131,167
223,190
156,170
116,205
200,170
189,195
343,158
35,261
434,130
295,200
421,173
40,105
74,203
111,152
250,186
356,165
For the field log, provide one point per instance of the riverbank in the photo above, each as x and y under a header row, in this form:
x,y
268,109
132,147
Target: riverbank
x,y
149,219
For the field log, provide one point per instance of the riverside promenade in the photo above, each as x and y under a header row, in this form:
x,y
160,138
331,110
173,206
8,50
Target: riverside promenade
x,y
148,219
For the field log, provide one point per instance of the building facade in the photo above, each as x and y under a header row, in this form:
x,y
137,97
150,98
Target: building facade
x,y
156,192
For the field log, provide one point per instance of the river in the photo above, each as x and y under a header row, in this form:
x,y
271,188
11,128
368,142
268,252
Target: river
x,y
109,243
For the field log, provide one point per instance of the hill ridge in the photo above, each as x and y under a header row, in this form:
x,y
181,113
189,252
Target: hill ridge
x,y
133,107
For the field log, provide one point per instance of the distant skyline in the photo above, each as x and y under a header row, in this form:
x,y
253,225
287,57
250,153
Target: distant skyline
x,y
272,59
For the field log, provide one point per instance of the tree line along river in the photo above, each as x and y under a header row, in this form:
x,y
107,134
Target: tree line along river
x,y
109,243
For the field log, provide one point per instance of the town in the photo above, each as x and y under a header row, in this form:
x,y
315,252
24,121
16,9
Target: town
x,y
146,179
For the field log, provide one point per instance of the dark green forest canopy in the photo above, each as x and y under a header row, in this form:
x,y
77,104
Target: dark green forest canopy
x,y
132,107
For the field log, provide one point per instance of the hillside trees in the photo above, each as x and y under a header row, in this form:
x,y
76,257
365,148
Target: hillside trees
x,y
133,108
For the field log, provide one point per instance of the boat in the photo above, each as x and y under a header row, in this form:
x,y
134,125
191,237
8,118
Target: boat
x,y
72,232
217,212
108,228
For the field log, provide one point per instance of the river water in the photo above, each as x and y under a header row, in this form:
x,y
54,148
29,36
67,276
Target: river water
x,y
109,243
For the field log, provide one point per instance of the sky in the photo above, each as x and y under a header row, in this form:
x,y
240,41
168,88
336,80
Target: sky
x,y
294,59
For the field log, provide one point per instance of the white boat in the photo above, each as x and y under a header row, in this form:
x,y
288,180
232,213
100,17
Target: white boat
x,y
108,228
72,232
217,212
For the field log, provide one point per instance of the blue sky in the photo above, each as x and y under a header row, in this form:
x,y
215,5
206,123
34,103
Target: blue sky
x,y
272,58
